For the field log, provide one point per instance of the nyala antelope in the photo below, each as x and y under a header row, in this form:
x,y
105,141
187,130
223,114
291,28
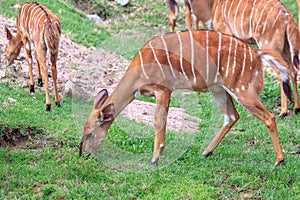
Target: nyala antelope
x,y
36,25
196,60
174,9
267,22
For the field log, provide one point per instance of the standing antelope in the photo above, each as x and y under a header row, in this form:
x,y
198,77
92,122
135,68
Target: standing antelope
x,y
196,60
174,9
36,25
268,22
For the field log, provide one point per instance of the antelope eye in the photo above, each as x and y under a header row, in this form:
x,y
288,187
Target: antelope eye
x,y
88,136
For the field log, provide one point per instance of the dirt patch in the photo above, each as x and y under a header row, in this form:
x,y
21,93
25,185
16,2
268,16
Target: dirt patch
x,y
10,137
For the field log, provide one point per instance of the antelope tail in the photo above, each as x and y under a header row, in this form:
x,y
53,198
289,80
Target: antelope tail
x,y
278,64
52,34
291,40
173,6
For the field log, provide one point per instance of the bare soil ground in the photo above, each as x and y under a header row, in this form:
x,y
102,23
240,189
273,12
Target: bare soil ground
x,y
83,72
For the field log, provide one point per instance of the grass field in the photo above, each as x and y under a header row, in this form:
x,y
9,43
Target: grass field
x,y
47,165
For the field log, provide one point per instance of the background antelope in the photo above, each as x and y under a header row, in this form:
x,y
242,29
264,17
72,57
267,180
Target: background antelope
x,y
174,9
268,22
36,25
196,60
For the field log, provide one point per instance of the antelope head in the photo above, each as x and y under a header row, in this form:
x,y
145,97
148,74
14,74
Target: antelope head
x,y
13,47
95,128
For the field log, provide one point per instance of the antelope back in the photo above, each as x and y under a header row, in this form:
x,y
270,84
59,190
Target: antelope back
x,y
198,59
262,20
33,16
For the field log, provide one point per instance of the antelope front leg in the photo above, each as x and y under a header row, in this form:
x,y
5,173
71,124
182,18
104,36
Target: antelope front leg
x,y
188,17
29,61
160,120
53,58
284,105
224,102
172,20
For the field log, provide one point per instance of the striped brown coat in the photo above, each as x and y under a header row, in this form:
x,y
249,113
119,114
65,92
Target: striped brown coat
x,y
195,60
267,22
36,26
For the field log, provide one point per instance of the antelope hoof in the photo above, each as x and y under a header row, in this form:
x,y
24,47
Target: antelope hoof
x,y
40,82
154,162
57,104
279,162
31,88
297,110
48,107
205,155
283,115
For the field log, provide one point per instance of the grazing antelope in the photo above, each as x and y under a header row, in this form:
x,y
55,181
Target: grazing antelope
x,y
196,60
36,25
268,22
174,9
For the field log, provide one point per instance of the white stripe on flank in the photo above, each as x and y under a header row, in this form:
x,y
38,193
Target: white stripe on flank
x,y
142,65
261,15
216,9
257,13
269,14
192,56
235,14
244,61
242,19
250,52
234,58
180,52
219,56
154,54
279,13
224,10
228,61
207,57
228,16
251,15
168,56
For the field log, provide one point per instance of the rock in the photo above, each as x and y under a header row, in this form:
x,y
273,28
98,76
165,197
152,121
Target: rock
x,y
95,18
74,90
122,2
12,100
2,74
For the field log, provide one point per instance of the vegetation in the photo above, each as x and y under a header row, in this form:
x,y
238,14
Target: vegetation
x,y
47,165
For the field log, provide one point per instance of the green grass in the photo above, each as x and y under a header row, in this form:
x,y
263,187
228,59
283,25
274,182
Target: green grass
x,y
48,165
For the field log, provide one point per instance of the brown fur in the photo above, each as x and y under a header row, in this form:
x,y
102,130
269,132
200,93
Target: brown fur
x,y
36,24
272,26
166,63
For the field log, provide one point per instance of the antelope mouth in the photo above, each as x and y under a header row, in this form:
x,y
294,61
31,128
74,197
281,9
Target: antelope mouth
x,y
81,150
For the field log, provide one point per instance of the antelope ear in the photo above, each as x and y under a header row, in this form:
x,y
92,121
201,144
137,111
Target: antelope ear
x,y
9,36
100,98
107,114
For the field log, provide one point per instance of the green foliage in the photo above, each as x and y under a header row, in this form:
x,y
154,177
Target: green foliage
x,y
47,166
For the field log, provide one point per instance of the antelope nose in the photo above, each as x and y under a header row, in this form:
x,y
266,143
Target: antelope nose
x,y
80,148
